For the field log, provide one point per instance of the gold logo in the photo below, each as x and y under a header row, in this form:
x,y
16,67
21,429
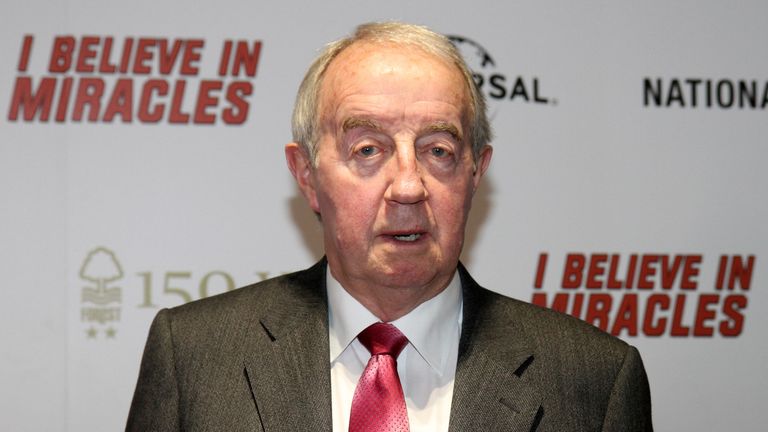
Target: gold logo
x,y
100,300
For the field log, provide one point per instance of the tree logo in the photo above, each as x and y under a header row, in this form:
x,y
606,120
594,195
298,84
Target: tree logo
x,y
100,268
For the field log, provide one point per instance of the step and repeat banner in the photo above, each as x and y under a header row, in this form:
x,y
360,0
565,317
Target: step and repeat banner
x,y
142,167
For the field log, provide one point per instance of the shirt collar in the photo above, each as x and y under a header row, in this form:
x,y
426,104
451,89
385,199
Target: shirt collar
x,y
428,327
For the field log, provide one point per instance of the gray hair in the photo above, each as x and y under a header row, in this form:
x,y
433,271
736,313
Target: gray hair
x,y
305,116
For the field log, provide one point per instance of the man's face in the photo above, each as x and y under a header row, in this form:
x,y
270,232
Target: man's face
x,y
395,175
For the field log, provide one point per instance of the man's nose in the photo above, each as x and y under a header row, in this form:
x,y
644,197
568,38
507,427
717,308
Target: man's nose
x,y
407,182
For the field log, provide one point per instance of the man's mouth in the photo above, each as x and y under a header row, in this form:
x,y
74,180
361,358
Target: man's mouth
x,y
407,237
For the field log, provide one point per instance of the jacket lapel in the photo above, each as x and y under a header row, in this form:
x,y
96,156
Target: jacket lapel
x,y
288,370
287,364
490,392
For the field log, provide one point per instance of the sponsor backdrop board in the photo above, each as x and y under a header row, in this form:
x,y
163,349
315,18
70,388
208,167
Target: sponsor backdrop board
x,y
141,167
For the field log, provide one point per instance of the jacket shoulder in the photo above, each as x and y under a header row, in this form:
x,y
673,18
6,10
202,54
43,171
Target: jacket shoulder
x,y
229,316
490,314
264,296
548,326
555,341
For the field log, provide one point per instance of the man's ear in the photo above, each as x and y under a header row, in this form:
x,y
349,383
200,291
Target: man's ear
x,y
301,167
481,165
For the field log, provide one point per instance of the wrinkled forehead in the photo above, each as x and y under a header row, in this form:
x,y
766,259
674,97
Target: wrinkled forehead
x,y
366,61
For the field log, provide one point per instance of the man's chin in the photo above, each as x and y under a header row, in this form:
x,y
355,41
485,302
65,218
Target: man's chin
x,y
412,274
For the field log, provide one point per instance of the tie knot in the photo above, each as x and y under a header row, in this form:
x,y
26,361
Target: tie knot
x,y
383,338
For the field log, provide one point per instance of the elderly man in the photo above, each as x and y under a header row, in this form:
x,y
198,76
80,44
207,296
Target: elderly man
x,y
388,332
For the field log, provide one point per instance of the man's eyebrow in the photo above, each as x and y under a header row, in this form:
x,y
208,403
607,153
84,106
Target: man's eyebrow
x,y
445,127
437,127
357,122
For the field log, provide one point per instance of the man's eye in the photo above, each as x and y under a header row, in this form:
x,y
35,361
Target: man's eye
x,y
439,152
367,151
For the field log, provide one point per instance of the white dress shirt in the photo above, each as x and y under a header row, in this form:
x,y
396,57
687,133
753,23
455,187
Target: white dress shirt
x,y
426,366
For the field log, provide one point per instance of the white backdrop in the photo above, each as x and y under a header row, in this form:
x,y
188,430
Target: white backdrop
x,y
622,128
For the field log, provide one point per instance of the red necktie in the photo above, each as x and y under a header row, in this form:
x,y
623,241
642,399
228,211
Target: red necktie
x,y
379,404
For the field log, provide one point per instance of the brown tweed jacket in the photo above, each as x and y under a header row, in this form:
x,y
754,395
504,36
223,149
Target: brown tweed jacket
x,y
256,359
